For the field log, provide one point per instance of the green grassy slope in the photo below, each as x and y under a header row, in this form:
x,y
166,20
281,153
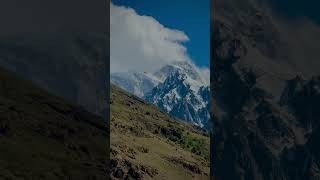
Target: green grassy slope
x,y
148,144
45,137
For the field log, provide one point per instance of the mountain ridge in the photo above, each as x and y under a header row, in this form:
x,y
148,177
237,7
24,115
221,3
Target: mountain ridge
x,y
173,87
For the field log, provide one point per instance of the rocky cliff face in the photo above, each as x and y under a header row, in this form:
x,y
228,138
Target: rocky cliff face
x,y
265,107
177,97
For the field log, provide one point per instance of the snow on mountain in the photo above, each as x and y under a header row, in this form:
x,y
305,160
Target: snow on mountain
x,y
195,76
181,89
182,96
135,82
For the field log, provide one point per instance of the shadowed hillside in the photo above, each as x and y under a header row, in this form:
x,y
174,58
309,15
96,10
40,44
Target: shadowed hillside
x,y
148,144
45,137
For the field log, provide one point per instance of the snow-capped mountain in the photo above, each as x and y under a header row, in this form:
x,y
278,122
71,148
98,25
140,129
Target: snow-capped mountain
x,y
181,89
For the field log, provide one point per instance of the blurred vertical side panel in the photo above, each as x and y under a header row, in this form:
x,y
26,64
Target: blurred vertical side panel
x,y
265,89
54,80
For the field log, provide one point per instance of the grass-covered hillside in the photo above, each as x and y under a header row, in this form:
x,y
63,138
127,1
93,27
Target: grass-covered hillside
x,y
148,144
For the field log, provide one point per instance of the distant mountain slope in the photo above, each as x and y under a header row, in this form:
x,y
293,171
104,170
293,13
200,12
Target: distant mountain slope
x,y
265,94
72,66
45,137
180,89
148,144
136,83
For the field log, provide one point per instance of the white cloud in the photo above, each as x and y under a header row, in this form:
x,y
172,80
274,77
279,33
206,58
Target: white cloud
x,y
141,43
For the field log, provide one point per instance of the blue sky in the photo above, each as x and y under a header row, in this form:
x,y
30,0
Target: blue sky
x,y
191,17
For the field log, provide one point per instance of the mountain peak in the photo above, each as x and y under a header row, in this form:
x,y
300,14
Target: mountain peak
x,y
185,67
